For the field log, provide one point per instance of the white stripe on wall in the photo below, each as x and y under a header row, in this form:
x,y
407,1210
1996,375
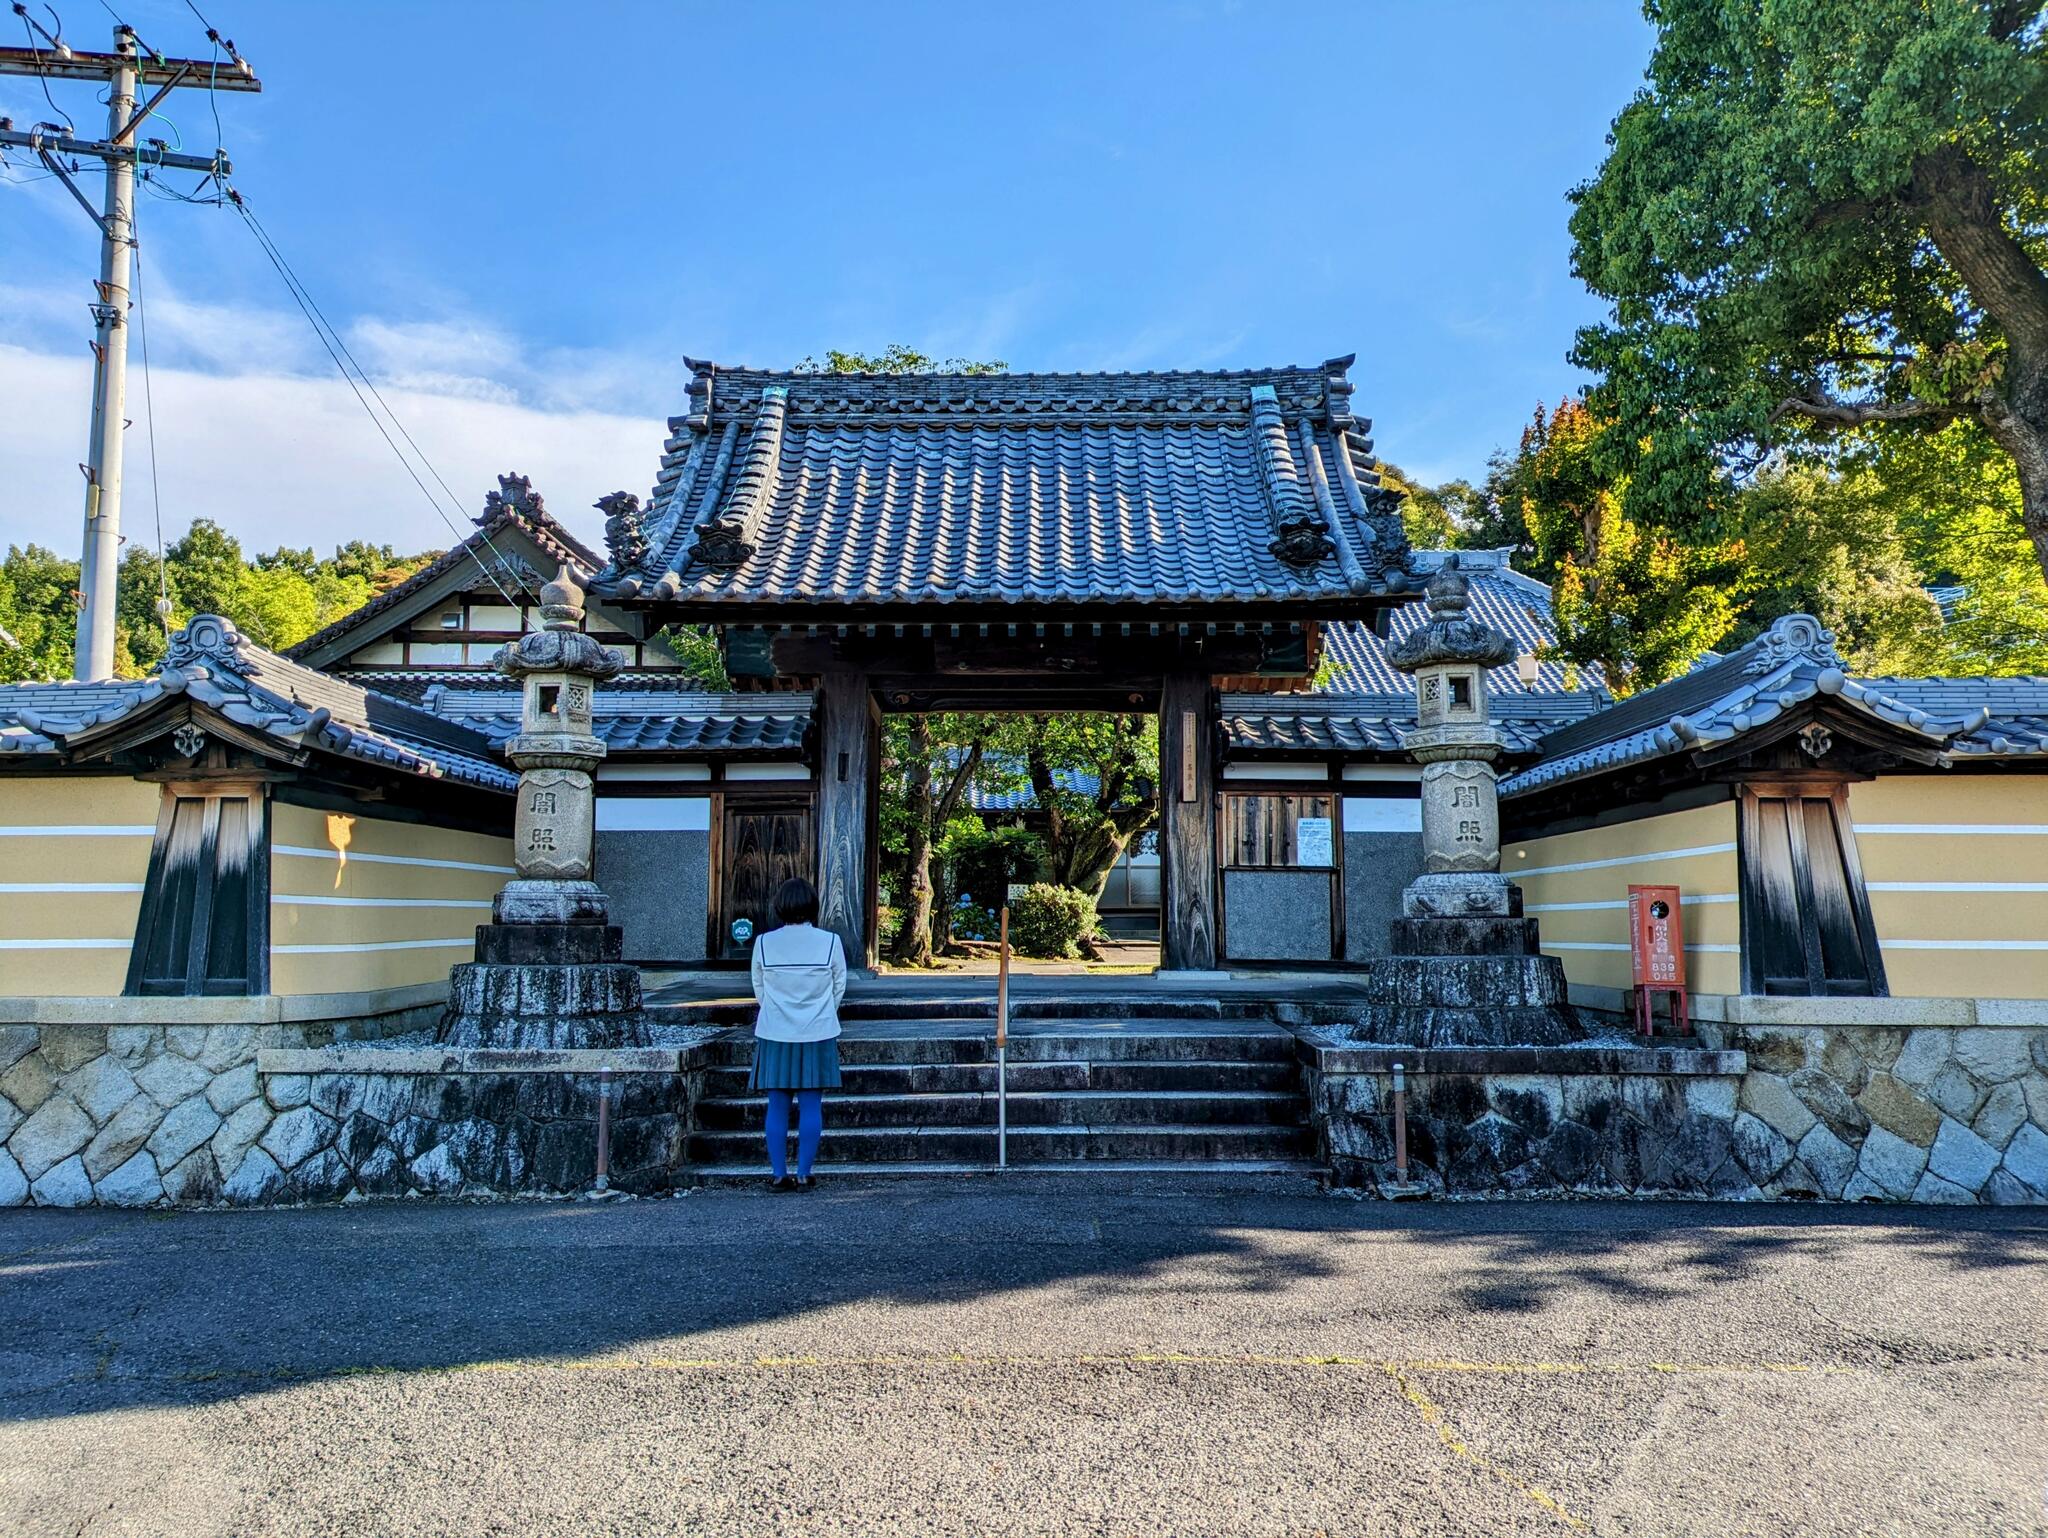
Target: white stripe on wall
x,y
1958,886
391,859
70,886
653,814
385,945
67,945
1382,814
1965,945
1625,859
1622,945
89,830
1688,901
2021,828
382,902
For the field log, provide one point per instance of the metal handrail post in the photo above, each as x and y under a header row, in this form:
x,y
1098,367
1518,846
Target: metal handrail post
x,y
1003,1041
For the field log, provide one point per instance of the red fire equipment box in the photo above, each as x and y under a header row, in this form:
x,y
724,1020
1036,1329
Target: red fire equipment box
x,y
1656,943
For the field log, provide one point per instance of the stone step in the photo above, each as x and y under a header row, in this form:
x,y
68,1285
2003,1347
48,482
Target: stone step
x,y
1213,1169
1027,1145
730,1082
1088,1108
915,1042
740,1011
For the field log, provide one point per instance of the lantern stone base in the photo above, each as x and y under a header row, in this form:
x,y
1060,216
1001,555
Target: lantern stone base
x,y
1477,980
546,986
528,902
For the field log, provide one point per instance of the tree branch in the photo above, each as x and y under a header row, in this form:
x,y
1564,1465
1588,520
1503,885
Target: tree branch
x,y
1968,228
1819,408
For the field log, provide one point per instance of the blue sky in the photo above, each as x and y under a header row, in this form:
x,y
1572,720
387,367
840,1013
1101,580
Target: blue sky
x,y
522,216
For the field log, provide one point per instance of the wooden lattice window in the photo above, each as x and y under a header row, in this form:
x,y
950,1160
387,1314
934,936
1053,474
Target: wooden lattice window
x,y
1806,926
205,921
1262,829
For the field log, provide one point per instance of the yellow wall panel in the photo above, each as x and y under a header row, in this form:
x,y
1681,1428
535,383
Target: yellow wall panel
x,y
42,873
1583,909
1955,858
401,908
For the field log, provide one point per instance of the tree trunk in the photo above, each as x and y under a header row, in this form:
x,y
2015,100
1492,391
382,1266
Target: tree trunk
x,y
1966,225
914,932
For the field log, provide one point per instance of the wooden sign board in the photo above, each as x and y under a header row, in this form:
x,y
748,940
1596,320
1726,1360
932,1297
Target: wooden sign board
x,y
1656,936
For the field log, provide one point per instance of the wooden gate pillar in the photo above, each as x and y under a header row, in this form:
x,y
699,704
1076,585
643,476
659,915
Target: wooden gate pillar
x,y
1187,823
849,756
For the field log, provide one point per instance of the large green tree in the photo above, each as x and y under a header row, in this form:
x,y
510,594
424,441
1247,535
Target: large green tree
x,y
1821,215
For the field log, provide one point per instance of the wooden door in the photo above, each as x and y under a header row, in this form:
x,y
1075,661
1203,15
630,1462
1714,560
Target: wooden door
x,y
1806,926
764,847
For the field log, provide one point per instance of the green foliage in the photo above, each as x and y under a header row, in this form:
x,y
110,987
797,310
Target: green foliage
x,y
1818,213
696,648
984,863
1086,832
1637,602
1954,499
1434,517
1051,921
895,359
1830,545
276,599
39,610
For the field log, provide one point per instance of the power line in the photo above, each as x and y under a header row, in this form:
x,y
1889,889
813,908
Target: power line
x,y
336,349
156,499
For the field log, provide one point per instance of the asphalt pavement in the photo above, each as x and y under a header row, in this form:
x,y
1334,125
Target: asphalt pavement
x,y
1037,1354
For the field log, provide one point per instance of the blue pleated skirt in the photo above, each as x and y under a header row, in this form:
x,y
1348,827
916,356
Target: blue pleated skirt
x,y
795,1064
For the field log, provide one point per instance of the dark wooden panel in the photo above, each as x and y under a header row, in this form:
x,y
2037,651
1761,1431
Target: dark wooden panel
x,y
763,849
849,744
1806,926
1187,823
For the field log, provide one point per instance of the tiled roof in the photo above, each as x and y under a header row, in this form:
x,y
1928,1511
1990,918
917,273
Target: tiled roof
x,y
211,664
1517,606
1789,665
1373,723
516,506
639,720
831,490
415,685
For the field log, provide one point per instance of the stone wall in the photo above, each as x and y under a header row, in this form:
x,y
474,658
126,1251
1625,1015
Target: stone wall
x,y
148,1110
140,1116
1929,1114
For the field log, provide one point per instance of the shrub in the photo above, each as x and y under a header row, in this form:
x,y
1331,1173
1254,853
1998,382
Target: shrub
x,y
1052,921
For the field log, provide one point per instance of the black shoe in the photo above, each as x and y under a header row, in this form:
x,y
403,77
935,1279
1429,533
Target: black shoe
x,y
781,1183
807,1183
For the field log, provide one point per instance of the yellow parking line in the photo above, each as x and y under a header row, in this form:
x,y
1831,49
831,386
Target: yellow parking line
x,y
1433,1416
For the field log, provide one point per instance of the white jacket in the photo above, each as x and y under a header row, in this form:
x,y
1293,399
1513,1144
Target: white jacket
x,y
799,977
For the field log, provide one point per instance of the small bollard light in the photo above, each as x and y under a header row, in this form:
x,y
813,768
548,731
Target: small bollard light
x,y
1401,1123
603,1182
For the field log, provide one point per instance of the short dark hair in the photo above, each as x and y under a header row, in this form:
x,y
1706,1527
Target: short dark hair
x,y
796,901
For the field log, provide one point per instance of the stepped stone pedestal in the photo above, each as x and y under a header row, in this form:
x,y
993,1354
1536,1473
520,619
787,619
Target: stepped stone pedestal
x,y
548,974
1464,968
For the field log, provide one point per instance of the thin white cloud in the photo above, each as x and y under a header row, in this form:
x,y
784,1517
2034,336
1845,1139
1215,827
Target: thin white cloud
x,y
282,459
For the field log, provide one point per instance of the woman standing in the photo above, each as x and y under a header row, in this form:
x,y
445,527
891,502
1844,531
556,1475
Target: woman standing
x,y
799,978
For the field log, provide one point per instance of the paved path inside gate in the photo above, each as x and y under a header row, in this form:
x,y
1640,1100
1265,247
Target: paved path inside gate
x,y
1024,1356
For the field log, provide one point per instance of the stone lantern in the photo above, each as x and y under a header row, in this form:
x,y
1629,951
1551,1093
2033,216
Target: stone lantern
x,y
553,839
1456,742
1463,968
548,973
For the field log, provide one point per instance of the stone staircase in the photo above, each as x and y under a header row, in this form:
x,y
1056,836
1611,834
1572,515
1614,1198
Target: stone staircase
x,y
1191,1090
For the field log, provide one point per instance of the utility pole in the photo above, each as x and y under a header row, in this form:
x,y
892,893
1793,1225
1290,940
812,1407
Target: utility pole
x,y
123,70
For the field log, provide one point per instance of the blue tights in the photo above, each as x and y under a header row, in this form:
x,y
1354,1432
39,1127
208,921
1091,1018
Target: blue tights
x,y
810,1126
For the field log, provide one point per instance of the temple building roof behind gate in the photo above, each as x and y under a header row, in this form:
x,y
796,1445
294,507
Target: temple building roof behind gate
x,y
1197,491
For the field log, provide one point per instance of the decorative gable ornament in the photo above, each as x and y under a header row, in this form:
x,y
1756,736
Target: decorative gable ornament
x,y
207,642
515,494
188,740
722,545
625,535
1794,638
